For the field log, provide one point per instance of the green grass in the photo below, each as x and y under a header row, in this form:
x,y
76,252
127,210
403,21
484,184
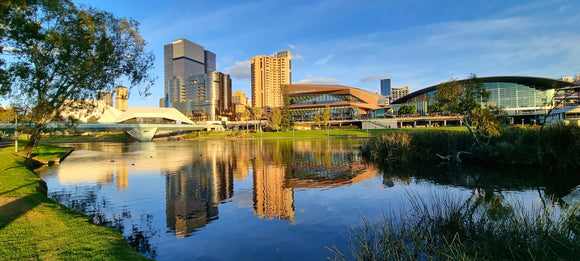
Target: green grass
x,y
44,152
34,227
310,133
480,227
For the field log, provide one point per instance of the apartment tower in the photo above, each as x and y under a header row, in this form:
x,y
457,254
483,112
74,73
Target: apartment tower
x,y
121,98
269,75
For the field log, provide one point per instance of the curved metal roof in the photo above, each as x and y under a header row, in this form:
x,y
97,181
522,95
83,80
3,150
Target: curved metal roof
x,y
538,83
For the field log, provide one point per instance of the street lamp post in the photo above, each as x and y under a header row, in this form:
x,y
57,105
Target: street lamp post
x,y
15,128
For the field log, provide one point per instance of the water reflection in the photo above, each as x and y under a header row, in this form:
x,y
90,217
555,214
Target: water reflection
x,y
161,193
200,175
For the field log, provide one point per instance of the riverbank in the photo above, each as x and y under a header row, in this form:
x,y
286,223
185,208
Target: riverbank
x,y
333,133
553,148
32,226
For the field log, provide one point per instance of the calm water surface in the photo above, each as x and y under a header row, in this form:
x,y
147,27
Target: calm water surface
x,y
251,199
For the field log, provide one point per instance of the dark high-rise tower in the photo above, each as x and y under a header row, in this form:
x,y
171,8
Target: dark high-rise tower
x,y
185,58
386,87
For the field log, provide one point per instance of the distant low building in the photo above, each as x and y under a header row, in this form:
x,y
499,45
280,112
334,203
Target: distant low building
x,y
307,100
398,93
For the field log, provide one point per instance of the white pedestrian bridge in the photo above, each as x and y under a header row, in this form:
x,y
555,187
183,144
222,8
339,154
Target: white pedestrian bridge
x,y
141,132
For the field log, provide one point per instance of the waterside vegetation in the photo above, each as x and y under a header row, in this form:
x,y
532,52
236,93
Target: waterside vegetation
x,y
557,147
478,227
32,226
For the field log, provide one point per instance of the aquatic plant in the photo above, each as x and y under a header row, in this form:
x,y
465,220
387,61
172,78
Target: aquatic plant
x,y
480,227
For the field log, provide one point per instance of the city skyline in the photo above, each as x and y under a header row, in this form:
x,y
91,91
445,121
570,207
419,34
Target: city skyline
x,y
357,43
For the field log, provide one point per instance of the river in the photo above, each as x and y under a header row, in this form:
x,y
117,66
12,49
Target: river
x,y
229,199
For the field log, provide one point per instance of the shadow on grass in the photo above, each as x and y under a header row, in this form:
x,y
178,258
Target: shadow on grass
x,y
14,209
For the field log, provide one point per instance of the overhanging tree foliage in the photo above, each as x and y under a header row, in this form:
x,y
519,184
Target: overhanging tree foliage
x,y
465,98
60,52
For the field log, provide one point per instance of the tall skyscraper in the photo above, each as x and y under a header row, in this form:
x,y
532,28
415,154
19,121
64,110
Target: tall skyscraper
x,y
192,84
186,58
203,96
121,98
269,75
386,87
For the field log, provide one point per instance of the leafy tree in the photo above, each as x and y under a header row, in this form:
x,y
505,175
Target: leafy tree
x,y
408,109
286,122
434,107
275,118
326,116
246,114
258,113
317,119
60,52
464,98
7,114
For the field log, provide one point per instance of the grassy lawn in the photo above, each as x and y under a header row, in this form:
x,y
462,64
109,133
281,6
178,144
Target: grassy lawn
x,y
44,152
311,133
33,226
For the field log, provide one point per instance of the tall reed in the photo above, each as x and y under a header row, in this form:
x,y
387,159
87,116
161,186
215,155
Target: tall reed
x,y
481,227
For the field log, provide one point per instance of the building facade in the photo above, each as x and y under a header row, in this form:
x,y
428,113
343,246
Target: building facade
x,y
521,97
121,98
185,58
269,75
239,98
307,100
398,93
106,97
192,84
202,96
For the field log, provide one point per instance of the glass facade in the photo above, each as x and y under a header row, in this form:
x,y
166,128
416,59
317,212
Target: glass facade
x,y
514,99
323,99
307,114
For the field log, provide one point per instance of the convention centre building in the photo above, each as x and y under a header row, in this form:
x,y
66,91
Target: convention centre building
x,y
522,98
344,103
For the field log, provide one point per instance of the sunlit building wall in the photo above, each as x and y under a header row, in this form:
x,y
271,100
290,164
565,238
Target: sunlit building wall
x,y
269,75
397,93
121,98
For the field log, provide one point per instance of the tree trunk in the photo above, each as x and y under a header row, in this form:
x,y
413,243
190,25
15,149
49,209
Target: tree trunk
x,y
34,138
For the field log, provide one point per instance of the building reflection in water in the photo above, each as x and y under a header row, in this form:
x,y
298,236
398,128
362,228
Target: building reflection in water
x,y
200,175
272,197
281,166
194,192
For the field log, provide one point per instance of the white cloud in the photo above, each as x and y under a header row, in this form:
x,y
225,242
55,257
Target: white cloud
x,y
291,46
297,57
324,60
318,80
240,70
374,77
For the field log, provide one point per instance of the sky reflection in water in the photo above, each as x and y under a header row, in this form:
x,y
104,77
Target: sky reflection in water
x,y
246,199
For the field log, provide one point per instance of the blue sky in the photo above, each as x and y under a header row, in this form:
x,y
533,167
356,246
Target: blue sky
x,y
416,43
